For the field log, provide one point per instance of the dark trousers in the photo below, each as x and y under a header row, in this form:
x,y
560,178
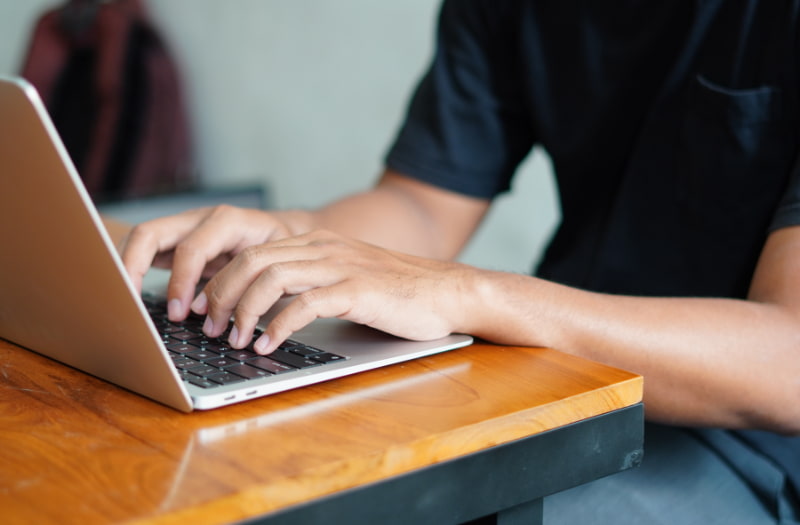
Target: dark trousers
x,y
682,481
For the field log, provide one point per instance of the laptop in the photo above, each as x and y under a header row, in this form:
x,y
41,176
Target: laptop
x,y
65,294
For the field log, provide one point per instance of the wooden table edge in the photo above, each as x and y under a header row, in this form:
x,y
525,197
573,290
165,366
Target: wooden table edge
x,y
259,501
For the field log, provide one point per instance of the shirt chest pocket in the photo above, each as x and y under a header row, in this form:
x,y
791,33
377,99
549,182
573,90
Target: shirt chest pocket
x,y
735,151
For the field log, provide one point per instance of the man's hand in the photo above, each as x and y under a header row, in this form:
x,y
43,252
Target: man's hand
x,y
197,244
329,275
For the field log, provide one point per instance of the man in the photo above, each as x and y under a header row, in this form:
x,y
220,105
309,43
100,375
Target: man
x,y
673,130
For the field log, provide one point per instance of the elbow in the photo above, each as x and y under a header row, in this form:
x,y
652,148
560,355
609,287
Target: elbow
x,y
789,427
779,412
785,428
789,424
774,378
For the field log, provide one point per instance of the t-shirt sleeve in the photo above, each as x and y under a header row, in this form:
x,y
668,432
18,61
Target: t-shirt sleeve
x,y
788,212
466,129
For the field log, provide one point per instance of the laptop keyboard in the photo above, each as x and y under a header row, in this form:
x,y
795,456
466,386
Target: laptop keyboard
x,y
210,362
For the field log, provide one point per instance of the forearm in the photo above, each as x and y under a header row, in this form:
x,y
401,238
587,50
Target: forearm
x,y
385,219
374,216
401,214
717,362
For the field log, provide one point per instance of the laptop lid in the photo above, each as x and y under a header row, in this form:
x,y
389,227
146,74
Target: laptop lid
x,y
65,294
63,290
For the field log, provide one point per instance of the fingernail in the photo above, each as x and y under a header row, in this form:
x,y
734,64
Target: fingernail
x,y
200,303
260,346
208,326
233,338
174,310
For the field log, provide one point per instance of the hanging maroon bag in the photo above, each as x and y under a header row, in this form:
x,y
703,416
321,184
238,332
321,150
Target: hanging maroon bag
x,y
114,95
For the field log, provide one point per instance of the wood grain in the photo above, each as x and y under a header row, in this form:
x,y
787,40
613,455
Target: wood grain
x,y
75,449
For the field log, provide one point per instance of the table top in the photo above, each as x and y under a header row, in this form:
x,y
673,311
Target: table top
x,y
73,445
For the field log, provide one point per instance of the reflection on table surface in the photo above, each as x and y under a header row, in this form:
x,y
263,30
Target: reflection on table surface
x,y
70,441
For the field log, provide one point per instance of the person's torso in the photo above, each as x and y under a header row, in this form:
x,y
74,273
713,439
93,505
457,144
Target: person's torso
x,y
672,130
672,127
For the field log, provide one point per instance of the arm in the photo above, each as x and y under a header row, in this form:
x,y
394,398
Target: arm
x,y
405,215
706,362
717,362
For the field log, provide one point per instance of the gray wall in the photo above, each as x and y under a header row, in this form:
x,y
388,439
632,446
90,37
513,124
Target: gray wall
x,y
306,95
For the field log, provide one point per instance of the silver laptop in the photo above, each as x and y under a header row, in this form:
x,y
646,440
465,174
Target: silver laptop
x,y
64,292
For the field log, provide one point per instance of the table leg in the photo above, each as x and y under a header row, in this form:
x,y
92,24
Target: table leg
x,y
529,513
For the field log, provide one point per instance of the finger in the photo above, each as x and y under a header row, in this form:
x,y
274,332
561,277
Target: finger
x,y
144,244
247,287
266,291
139,249
215,234
331,301
375,301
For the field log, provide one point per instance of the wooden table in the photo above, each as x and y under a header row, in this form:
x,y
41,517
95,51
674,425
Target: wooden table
x,y
480,432
444,439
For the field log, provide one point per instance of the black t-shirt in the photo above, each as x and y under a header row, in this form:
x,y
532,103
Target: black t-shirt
x,y
672,128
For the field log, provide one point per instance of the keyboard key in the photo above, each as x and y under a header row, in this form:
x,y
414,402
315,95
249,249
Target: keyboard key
x,y
326,357
304,351
184,335
193,324
184,362
202,370
270,365
241,355
247,371
199,381
225,378
202,355
297,361
181,348
220,362
217,346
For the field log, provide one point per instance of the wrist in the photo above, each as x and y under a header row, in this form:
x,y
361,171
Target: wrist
x,y
508,308
480,302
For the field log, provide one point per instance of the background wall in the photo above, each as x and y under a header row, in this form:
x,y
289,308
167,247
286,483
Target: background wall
x,y
306,95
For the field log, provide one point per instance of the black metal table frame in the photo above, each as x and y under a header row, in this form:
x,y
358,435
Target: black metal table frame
x,y
503,485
